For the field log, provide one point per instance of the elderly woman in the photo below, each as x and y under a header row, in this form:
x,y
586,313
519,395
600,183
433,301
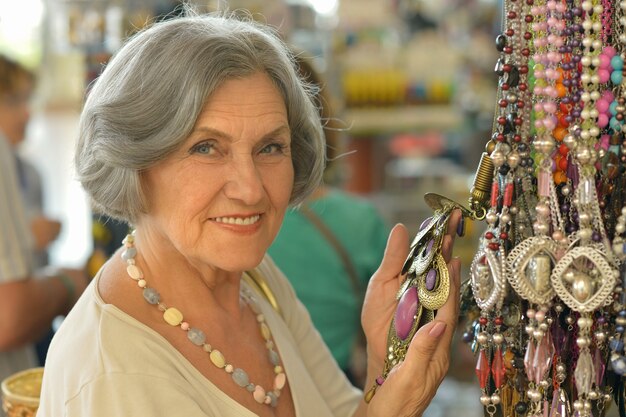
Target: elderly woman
x,y
200,134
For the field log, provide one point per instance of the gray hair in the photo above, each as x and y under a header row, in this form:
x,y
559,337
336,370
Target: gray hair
x,y
146,102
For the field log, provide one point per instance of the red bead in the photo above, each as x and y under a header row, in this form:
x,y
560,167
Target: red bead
x,y
528,36
497,368
493,246
565,108
483,320
505,86
511,14
517,138
508,50
510,32
523,69
528,18
520,104
563,149
489,235
498,320
501,120
507,68
522,87
482,369
500,137
503,103
525,51
504,236
518,121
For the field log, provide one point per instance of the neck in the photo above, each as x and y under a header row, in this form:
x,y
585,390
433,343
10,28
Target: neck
x,y
178,277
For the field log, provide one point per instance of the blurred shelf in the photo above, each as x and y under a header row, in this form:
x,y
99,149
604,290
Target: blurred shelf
x,y
375,121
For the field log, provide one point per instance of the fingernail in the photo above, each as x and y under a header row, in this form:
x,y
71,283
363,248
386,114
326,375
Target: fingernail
x,y
437,329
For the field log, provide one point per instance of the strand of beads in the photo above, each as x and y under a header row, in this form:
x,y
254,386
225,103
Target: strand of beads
x,y
174,317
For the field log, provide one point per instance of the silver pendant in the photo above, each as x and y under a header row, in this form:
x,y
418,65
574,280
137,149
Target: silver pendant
x,y
488,280
529,266
584,279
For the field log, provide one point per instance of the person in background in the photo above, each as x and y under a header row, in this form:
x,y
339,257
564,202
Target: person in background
x,y
200,133
29,300
14,121
330,246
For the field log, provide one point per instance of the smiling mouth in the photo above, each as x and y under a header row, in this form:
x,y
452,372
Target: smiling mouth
x,y
243,221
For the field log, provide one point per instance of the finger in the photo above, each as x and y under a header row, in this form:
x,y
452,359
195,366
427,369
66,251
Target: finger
x,y
454,222
395,255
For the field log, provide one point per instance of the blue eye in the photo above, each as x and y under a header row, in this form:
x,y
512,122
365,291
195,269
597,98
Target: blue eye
x,y
204,148
273,148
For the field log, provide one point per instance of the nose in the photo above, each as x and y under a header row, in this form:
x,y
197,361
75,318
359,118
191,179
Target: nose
x,y
245,182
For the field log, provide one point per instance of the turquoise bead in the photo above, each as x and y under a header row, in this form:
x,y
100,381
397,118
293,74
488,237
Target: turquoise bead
x,y
613,108
617,62
616,77
615,124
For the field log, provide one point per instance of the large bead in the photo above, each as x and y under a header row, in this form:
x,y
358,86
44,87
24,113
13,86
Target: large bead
x,y
405,313
134,272
151,295
538,272
217,358
173,316
280,380
240,377
259,394
582,287
196,336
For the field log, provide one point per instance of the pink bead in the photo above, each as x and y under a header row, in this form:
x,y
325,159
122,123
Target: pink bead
x,y
605,61
280,380
551,5
184,325
259,394
543,182
609,51
603,120
558,42
537,90
538,124
551,21
604,141
602,105
534,10
550,106
538,106
540,315
608,96
549,123
604,75
560,7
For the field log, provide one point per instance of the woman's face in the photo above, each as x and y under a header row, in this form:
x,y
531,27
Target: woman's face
x,y
220,199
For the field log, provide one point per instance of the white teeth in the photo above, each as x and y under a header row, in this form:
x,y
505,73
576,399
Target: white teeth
x,y
238,220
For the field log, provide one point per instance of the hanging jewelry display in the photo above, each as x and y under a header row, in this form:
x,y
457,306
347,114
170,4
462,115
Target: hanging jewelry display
x,y
546,293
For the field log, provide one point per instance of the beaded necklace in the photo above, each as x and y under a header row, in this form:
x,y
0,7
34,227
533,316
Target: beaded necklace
x,y
174,317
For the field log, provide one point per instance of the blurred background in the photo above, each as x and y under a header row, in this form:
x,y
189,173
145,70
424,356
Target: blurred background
x,y
411,82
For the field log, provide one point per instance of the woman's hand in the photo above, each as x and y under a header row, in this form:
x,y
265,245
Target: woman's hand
x,y
410,386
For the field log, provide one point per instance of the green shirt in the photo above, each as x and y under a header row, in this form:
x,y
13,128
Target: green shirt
x,y
317,272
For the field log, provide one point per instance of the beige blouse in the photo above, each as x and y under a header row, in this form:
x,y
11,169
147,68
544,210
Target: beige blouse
x,y
103,362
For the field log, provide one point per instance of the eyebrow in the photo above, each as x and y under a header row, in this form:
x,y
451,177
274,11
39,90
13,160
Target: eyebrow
x,y
222,135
